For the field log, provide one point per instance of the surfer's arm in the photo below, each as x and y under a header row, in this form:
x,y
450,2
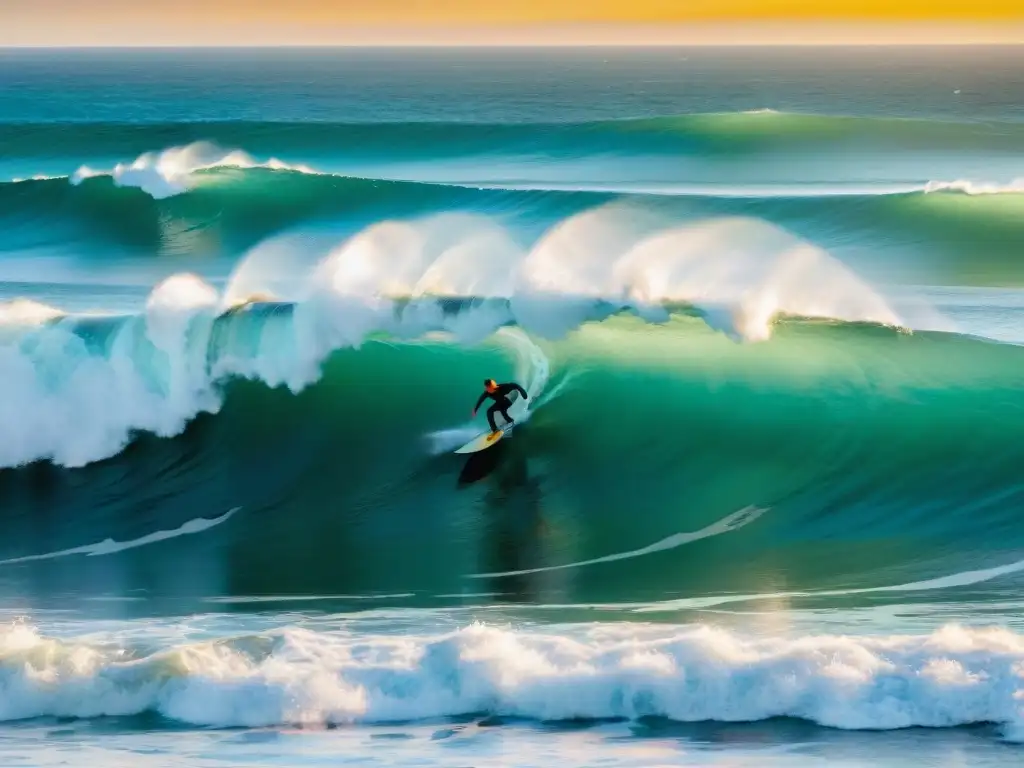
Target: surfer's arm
x,y
521,390
479,403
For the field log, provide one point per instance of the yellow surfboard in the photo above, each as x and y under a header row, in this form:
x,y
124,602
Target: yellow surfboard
x,y
486,440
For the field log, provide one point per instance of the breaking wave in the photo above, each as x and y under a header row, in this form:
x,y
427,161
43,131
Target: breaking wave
x,y
464,277
955,676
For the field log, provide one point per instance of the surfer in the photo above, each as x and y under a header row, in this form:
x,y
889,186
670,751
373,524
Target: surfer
x,y
499,394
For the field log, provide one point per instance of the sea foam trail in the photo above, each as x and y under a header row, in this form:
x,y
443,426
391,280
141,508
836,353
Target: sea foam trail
x,y
955,676
73,402
727,524
949,581
111,547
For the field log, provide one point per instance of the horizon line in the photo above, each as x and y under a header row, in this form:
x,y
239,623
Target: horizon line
x,y
534,44
794,33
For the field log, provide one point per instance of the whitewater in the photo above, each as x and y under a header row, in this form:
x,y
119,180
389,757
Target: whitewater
x,y
298,676
763,503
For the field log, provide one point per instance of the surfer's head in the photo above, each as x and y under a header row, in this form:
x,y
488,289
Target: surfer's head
x,y
490,385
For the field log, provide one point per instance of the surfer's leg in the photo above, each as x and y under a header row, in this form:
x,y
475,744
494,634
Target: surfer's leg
x,y
490,417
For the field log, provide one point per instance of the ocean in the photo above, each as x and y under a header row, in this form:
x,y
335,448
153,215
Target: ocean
x,y
762,506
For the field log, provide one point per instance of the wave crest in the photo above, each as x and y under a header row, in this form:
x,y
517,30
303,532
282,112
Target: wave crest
x,y
967,187
461,276
172,171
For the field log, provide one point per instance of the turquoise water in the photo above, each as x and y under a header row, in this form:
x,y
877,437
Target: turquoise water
x,y
763,504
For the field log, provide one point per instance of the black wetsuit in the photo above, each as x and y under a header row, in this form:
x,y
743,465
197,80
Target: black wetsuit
x,y
501,402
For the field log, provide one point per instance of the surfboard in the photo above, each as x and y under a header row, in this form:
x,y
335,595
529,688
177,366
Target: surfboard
x,y
486,439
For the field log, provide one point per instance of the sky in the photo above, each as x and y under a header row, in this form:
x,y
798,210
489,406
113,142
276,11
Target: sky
x,y
479,22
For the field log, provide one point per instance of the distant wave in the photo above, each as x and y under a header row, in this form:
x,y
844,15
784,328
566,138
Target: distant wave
x,y
1014,187
673,154
172,171
202,201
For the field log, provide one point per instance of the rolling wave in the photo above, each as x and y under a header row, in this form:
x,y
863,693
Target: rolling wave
x,y
199,201
461,276
780,153
937,202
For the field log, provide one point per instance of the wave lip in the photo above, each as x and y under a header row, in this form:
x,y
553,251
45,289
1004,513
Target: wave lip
x,y
955,676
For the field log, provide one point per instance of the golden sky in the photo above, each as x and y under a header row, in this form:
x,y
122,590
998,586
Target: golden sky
x,y
283,22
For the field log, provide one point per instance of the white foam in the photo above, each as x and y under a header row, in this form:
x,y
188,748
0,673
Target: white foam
x,y
954,676
172,171
26,312
36,177
110,547
968,187
63,401
743,273
573,266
